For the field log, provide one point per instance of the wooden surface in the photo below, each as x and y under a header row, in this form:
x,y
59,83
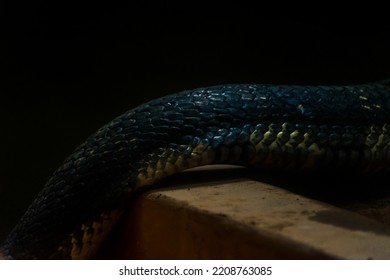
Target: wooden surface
x,y
226,212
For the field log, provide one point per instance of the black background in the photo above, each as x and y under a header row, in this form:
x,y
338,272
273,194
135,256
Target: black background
x,y
68,69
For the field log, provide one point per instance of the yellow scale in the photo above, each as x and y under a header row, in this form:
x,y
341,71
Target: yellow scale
x,y
93,235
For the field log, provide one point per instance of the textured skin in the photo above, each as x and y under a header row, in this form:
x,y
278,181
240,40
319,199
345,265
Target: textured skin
x,y
287,127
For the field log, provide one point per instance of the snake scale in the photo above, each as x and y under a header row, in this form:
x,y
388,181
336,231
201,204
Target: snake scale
x,y
297,128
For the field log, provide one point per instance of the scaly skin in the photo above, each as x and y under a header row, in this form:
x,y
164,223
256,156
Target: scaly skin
x,y
333,128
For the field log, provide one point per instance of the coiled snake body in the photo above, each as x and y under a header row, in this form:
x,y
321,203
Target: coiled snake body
x,y
286,127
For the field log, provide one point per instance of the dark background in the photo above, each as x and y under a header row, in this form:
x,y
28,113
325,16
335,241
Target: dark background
x,y
68,69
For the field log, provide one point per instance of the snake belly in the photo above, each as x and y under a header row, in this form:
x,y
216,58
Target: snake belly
x,y
313,128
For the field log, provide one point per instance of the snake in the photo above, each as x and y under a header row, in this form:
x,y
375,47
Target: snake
x,y
291,128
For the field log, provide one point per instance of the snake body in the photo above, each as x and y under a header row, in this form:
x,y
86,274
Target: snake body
x,y
279,127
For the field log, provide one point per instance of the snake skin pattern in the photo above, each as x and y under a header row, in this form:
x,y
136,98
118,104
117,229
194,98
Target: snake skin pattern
x,y
333,128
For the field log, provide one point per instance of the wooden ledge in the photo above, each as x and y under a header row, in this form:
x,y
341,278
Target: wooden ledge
x,y
219,213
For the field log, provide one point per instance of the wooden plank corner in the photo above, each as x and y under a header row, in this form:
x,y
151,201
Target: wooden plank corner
x,y
231,216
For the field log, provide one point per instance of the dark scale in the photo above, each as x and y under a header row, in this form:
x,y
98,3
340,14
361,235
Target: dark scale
x,y
278,127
